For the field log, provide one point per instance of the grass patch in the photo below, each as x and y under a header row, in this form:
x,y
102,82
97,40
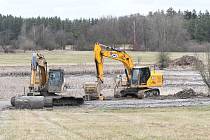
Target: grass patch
x,y
82,123
80,57
161,109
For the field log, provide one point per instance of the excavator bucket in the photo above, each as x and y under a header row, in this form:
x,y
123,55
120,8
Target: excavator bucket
x,y
93,91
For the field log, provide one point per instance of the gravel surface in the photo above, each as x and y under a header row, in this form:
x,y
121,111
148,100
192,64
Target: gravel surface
x,y
4,104
134,103
175,80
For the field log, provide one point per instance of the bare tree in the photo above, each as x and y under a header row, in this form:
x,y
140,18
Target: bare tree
x,y
204,69
5,40
40,37
60,38
24,41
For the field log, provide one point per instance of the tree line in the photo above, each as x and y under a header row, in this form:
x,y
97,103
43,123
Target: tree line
x,y
161,30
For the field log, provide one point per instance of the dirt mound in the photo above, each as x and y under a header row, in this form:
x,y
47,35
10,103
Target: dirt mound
x,y
185,61
186,93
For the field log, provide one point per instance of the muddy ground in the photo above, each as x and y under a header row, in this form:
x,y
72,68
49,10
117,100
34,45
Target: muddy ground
x,y
14,79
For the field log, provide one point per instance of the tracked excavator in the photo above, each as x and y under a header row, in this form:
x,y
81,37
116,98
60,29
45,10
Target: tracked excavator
x,y
139,82
46,89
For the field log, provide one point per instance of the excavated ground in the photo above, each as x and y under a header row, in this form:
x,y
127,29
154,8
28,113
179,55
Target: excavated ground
x,y
13,80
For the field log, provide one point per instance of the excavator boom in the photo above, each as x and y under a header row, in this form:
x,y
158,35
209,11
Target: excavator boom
x,y
114,54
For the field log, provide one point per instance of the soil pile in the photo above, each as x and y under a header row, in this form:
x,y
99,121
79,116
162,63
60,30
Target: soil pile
x,y
186,93
185,61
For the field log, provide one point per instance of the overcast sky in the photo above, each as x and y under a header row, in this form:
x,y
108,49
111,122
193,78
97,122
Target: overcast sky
x,y
94,8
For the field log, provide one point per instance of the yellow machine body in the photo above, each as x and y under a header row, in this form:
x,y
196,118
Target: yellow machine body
x,y
155,80
137,78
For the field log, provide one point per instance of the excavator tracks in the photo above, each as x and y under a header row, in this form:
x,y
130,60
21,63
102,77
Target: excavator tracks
x,y
136,92
40,102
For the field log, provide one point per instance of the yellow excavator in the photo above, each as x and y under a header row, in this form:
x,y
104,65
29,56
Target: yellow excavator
x,y
137,81
46,89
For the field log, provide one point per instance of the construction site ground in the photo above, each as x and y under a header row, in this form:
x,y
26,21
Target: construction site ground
x,y
13,81
164,117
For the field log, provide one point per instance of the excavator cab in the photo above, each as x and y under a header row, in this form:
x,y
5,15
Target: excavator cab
x,y
55,80
144,77
139,76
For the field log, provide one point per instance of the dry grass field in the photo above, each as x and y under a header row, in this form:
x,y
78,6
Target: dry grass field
x,y
80,57
106,124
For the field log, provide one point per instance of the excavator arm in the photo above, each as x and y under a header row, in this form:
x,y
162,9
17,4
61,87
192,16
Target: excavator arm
x,y
38,71
101,51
